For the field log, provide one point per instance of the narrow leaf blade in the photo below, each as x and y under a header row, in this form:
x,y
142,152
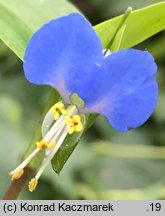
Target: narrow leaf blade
x,y
140,25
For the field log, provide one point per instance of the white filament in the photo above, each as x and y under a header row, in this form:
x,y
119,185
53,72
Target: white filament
x,y
48,158
54,128
52,134
26,161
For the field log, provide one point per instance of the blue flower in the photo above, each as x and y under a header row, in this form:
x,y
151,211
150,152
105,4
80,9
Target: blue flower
x,y
67,54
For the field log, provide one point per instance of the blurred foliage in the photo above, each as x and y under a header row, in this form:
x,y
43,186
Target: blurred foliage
x,y
106,164
20,19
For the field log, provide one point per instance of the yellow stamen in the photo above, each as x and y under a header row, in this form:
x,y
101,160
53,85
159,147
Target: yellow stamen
x,y
44,144
51,144
17,174
71,130
78,128
64,112
76,118
33,184
58,109
56,115
74,123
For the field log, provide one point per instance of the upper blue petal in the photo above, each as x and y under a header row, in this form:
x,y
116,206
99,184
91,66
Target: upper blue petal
x,y
62,53
127,92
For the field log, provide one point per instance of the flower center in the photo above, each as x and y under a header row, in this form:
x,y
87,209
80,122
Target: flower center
x,y
58,123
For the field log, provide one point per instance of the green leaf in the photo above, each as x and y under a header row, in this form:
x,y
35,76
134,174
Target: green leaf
x,y
140,25
118,39
20,19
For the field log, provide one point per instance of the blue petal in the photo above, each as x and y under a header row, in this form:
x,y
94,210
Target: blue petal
x,y
127,92
67,54
62,53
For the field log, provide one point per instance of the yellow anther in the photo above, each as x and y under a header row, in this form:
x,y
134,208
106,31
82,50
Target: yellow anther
x,y
33,184
51,144
74,123
42,144
17,174
64,111
58,109
56,115
71,130
77,123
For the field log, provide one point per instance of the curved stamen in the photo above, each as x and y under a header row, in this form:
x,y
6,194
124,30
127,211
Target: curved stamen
x,y
50,156
18,172
52,140
34,181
